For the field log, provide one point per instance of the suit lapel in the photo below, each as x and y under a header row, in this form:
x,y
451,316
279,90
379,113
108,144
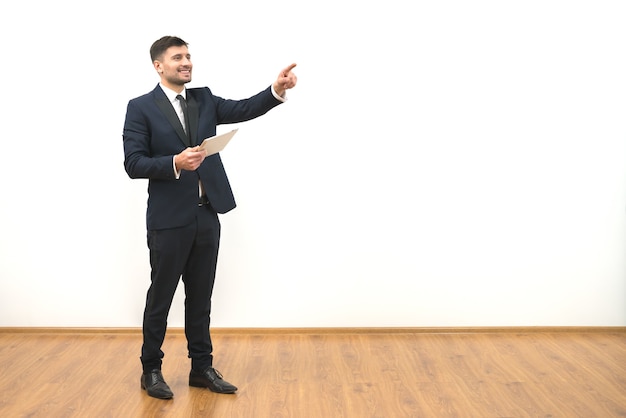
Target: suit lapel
x,y
166,107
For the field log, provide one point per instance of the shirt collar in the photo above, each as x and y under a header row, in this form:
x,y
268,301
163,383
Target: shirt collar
x,y
171,94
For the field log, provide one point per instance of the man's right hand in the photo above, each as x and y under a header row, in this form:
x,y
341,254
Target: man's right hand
x,y
189,159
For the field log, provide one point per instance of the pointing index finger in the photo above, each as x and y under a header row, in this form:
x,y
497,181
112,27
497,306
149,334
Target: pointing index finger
x,y
288,69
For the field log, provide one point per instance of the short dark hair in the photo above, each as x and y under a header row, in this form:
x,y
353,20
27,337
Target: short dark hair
x,y
159,46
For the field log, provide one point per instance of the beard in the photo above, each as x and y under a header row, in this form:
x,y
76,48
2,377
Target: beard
x,y
177,80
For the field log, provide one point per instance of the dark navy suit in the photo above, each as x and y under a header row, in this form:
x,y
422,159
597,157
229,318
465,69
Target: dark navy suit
x,y
183,237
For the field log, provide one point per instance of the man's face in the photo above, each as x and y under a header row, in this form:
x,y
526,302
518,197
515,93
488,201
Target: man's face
x,y
174,67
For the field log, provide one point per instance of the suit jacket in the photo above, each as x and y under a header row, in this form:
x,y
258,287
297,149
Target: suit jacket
x,y
153,134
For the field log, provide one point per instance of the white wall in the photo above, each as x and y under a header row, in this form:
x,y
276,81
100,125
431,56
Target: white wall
x,y
456,163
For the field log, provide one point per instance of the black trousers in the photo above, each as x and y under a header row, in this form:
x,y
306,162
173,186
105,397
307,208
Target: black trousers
x,y
189,252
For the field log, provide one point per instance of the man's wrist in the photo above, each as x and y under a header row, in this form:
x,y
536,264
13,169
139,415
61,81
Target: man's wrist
x,y
282,97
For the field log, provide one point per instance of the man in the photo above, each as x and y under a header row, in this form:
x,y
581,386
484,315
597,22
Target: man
x,y
186,191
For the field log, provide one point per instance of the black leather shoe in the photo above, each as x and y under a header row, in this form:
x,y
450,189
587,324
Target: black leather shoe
x,y
211,379
155,385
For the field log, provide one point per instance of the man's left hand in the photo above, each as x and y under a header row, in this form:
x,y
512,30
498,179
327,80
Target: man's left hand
x,y
286,80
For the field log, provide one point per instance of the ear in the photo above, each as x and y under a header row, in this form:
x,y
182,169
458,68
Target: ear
x,y
158,66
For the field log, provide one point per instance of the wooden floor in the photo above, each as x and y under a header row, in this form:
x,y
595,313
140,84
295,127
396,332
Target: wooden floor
x,y
323,374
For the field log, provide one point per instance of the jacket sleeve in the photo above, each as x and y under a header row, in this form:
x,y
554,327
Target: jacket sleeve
x,y
140,161
233,111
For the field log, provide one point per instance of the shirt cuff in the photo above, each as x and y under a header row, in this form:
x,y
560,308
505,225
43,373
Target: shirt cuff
x,y
282,98
176,173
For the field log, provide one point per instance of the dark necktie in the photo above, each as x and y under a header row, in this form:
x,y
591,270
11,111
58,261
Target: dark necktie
x,y
183,104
